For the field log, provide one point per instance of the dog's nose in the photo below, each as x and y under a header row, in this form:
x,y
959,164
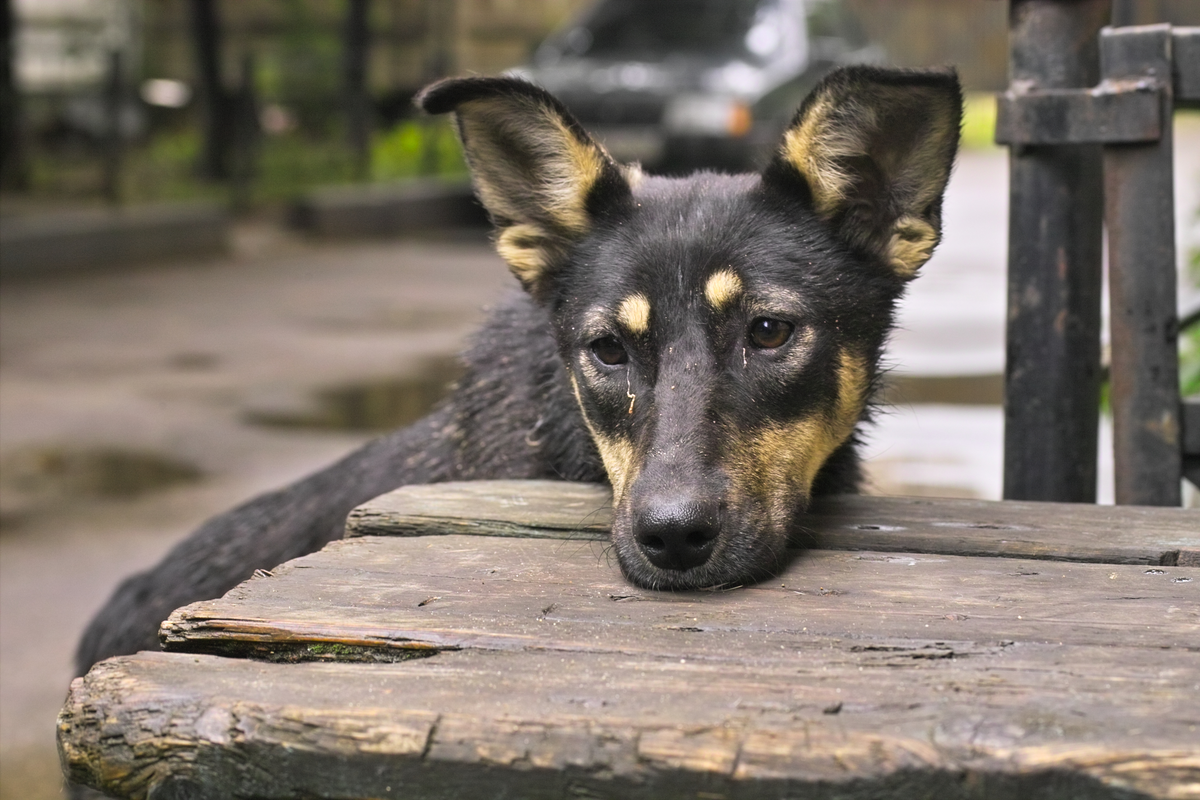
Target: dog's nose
x,y
679,534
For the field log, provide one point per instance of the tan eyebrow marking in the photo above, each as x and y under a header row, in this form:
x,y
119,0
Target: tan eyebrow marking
x,y
722,288
634,313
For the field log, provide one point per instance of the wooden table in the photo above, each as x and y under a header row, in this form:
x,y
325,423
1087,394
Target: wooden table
x,y
477,640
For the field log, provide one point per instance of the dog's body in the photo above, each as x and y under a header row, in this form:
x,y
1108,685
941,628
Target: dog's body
x,y
707,345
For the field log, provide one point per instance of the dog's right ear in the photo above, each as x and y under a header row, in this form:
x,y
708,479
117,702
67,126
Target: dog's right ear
x,y
543,179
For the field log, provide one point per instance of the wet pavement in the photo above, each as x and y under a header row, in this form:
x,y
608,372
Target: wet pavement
x,y
135,404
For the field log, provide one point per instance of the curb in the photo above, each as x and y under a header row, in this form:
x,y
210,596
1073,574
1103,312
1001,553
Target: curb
x,y
84,240
387,210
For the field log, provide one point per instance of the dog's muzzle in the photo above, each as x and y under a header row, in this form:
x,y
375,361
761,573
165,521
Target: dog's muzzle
x,y
677,533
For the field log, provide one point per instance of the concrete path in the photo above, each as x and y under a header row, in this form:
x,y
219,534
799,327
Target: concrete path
x,y
151,372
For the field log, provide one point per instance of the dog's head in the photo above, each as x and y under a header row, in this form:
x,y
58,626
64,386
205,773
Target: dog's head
x,y
721,333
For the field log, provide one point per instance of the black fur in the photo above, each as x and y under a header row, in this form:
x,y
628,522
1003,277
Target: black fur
x,y
686,415
511,416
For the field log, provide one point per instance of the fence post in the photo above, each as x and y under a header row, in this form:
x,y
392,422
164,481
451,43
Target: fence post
x,y
245,138
13,172
355,59
1052,372
113,142
1139,211
441,20
206,36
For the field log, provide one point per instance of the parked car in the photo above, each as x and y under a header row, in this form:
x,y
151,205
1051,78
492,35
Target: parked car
x,y
681,84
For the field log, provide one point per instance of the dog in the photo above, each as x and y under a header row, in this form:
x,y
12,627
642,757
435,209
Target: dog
x,y
707,345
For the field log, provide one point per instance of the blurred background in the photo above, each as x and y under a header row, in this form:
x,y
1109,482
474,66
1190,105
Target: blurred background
x,y
230,251
133,102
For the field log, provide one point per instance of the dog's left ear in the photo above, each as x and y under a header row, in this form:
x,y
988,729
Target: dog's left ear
x,y
544,181
872,148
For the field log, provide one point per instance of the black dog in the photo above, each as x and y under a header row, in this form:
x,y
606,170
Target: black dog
x,y
708,345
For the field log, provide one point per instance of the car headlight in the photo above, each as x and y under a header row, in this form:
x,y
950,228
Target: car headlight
x,y
708,115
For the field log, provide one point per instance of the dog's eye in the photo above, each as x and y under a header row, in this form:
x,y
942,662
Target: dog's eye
x,y
609,351
767,334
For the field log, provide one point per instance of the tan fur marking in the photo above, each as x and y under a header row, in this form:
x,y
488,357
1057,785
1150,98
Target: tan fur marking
x,y
911,245
723,287
617,454
619,463
787,454
523,248
853,384
634,314
815,146
835,130
567,167
569,188
779,463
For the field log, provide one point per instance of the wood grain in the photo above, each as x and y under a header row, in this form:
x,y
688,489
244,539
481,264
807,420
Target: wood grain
x,y
895,672
822,721
528,509
1059,531
506,657
453,592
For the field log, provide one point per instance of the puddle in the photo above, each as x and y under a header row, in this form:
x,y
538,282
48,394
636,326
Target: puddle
x,y
372,405
36,478
107,472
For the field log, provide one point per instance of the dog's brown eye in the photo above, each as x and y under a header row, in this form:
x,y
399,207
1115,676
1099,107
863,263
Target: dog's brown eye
x,y
609,351
767,334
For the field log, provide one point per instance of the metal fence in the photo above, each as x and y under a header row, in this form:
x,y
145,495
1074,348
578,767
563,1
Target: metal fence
x,y
1087,116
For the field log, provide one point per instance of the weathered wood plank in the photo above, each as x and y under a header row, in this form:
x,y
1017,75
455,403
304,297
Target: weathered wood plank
x,y
1059,531
453,592
819,721
854,674
528,509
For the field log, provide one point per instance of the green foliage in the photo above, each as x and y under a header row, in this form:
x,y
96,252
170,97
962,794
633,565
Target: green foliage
x,y
979,121
1193,266
163,169
291,164
1189,361
410,149
1189,340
